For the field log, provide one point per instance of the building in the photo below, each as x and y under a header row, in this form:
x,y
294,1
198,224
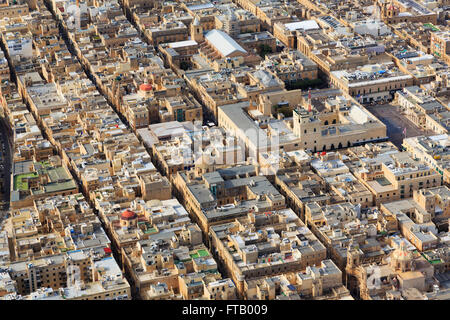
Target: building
x,y
323,282
226,194
95,273
265,244
405,270
432,150
37,180
291,67
342,123
419,217
440,45
179,54
371,82
173,31
223,45
287,32
424,110
396,176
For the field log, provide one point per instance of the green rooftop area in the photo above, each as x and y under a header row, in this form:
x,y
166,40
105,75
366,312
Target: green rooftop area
x,y
431,258
58,173
150,230
431,26
212,271
203,253
21,182
45,164
383,181
199,254
147,227
60,186
194,255
435,261
59,178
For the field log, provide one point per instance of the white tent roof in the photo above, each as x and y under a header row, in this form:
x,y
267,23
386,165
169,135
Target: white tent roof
x,y
305,25
180,44
223,42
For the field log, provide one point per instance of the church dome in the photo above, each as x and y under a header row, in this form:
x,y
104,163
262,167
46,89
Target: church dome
x,y
128,215
145,87
402,254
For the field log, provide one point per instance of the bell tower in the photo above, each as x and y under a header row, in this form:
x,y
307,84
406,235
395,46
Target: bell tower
x,y
307,127
196,31
389,10
352,270
353,256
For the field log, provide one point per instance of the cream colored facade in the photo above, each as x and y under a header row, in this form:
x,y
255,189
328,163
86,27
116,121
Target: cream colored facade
x,y
423,109
168,32
240,246
10,11
397,177
440,45
318,282
336,128
405,270
321,48
368,85
431,150
219,196
418,217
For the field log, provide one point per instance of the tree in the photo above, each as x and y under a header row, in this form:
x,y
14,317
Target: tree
x,y
264,49
286,110
304,84
184,65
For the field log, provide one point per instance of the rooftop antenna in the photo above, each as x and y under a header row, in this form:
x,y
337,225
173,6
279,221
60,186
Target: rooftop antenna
x,y
309,100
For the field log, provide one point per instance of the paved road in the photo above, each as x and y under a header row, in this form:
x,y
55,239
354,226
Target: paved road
x,y
395,123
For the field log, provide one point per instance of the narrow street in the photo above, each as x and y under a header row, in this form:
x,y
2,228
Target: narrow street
x,y
5,169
